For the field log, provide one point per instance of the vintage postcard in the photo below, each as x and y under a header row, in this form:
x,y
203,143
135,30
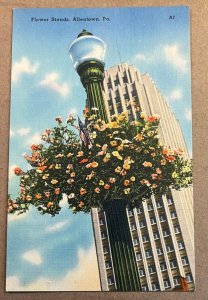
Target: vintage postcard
x,y
100,161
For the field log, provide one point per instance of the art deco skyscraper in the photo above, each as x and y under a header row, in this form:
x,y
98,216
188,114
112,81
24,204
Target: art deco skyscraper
x,y
162,228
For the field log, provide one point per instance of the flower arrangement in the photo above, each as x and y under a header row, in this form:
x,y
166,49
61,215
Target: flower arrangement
x,y
124,160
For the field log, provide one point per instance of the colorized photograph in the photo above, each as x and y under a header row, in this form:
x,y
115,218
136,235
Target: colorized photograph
x,y
100,185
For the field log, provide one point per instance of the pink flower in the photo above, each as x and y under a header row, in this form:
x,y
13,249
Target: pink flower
x,y
69,119
18,171
158,171
59,119
154,176
57,191
70,166
69,181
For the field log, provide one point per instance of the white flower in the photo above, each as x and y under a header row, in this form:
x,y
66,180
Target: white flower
x,y
95,108
71,196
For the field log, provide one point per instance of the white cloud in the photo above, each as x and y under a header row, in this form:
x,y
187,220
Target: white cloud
x,y
23,131
78,279
15,217
188,114
33,257
175,95
175,58
51,81
11,171
57,226
23,66
147,58
34,139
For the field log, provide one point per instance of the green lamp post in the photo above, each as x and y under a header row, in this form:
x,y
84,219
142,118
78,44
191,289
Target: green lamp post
x,y
87,53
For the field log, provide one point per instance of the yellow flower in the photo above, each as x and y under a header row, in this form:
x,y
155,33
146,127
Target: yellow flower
x,y
96,126
126,166
45,176
115,153
118,170
174,175
120,147
147,164
54,181
101,182
38,196
127,191
94,164
113,143
113,124
120,157
69,154
58,166
28,198
80,153
139,137
132,178
120,118
143,115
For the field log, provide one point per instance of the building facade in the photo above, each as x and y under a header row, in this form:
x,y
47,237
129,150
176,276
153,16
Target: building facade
x,y
162,228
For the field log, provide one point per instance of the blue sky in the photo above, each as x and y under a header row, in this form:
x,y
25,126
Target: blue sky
x,y
45,253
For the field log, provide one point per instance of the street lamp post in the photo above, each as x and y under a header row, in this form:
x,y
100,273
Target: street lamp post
x,y
87,53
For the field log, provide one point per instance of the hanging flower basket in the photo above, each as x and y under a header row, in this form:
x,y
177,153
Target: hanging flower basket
x,y
123,160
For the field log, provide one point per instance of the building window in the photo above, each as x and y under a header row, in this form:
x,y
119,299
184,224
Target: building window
x,y
148,253
139,210
166,233
169,248
180,245
159,204
110,280
176,281
125,79
138,256
135,242
105,250
149,207
163,266
159,251
152,269
184,260
108,264
189,278
144,288
109,85
101,221
145,238
155,286
166,283
142,224
177,229
153,221
126,97
162,218
134,93
130,213
133,226
103,235
173,264
141,273
173,215
156,235
170,201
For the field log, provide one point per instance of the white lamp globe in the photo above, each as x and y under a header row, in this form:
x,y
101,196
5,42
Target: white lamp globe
x,y
87,47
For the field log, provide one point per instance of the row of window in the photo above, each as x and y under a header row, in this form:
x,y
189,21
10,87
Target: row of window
x,y
166,282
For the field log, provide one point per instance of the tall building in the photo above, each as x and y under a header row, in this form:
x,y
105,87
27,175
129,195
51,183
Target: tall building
x,y
162,228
